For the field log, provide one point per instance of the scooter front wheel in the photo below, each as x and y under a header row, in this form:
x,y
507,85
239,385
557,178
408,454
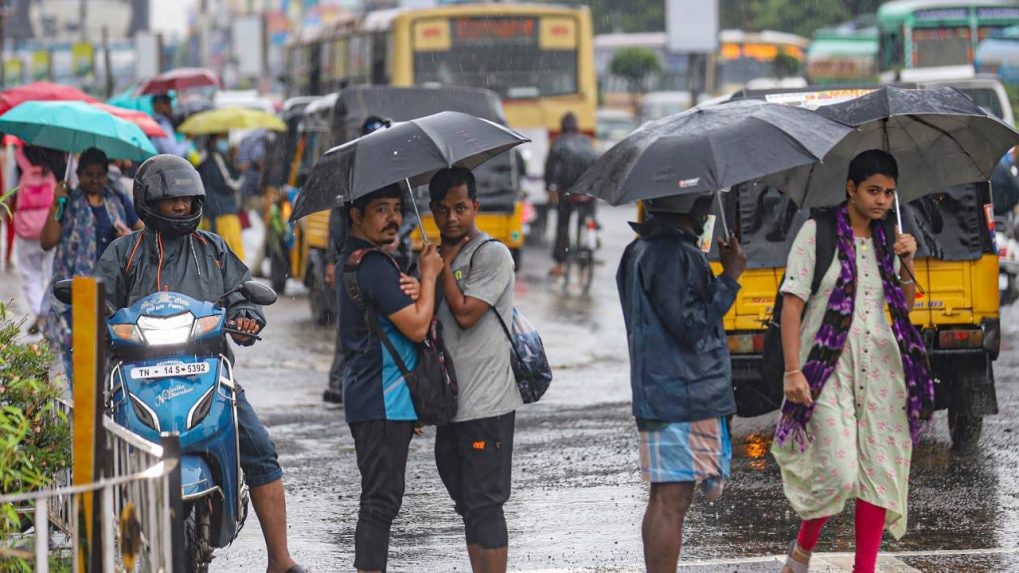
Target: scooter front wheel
x,y
196,549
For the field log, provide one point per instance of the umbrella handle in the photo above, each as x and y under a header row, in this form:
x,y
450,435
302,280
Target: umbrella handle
x,y
67,170
898,212
414,203
721,216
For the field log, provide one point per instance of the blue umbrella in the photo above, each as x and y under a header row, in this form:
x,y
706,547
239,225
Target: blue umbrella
x,y
75,126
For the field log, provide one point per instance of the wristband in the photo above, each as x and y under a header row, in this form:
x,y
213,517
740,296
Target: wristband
x,y
790,373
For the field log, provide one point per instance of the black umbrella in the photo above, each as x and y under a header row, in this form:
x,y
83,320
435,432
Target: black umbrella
x,y
939,138
707,149
409,152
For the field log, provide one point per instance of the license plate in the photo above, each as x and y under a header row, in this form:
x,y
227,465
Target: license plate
x,y
167,370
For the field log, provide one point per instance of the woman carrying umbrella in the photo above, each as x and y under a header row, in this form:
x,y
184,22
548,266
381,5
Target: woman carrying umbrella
x,y
222,188
81,224
857,388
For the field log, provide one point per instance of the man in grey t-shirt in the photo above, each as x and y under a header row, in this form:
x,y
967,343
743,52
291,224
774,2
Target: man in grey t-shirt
x,y
474,452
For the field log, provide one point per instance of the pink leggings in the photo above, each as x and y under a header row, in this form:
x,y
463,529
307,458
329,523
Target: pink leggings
x,y
870,523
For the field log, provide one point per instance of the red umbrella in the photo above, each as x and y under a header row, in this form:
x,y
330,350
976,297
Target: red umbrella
x,y
44,91
179,79
143,120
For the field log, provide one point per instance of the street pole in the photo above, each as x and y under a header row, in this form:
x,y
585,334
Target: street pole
x,y
82,16
3,41
693,76
107,61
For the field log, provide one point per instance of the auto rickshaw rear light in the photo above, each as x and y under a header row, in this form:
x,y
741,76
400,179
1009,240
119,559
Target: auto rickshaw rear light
x,y
960,338
746,343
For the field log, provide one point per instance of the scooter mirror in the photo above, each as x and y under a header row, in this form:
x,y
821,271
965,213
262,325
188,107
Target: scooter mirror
x,y
258,293
62,290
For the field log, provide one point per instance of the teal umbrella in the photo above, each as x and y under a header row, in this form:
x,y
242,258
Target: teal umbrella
x,y
75,126
126,99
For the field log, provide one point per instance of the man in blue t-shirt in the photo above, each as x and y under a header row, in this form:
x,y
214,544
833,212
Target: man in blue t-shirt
x,y
376,397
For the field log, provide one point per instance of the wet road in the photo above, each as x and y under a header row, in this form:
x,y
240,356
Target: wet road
x,y
578,500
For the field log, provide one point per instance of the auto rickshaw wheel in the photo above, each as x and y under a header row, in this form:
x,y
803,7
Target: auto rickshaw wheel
x,y
965,428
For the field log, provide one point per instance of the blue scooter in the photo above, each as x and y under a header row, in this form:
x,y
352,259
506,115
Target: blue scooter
x,y
169,373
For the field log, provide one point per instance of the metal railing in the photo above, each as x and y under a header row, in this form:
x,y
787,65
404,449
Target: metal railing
x,y
134,503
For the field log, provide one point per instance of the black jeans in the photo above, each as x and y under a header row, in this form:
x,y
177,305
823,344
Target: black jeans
x,y
381,448
566,209
474,460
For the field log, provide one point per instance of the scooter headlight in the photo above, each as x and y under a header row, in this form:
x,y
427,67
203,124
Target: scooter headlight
x,y
166,331
205,325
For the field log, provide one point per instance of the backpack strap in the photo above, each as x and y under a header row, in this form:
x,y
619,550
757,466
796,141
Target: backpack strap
x,y
470,265
824,245
353,288
498,316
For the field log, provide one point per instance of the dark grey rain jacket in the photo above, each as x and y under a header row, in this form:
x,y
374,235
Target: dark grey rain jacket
x,y
199,265
673,307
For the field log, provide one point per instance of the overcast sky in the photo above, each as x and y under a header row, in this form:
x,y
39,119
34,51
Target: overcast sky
x,y
170,17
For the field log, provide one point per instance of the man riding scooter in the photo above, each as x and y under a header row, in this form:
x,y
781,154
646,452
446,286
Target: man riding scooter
x,y
169,254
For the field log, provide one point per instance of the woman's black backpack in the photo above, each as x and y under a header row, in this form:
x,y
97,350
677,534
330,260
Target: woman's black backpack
x,y
433,386
766,394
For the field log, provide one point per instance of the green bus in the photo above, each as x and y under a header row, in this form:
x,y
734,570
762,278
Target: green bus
x,y
842,55
935,33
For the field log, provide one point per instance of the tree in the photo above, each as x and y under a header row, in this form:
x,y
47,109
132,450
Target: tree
x,y
794,16
609,16
635,65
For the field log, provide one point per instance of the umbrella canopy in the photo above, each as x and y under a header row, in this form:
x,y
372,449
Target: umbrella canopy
x,y
179,79
229,118
128,100
75,126
707,149
41,91
413,151
939,138
143,120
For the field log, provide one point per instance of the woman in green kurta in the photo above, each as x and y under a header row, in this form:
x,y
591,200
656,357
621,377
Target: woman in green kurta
x,y
854,440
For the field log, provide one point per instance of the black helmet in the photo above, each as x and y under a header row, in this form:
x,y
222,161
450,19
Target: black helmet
x,y
374,123
163,177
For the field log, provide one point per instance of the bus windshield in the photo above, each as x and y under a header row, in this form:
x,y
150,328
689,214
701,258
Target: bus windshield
x,y
503,54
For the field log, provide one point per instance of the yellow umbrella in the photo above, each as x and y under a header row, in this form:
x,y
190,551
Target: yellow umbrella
x,y
225,119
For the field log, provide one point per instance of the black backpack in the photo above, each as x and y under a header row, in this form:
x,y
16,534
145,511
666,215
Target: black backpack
x,y
765,395
433,386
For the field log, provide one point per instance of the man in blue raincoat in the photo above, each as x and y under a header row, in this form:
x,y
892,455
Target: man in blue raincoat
x,y
679,363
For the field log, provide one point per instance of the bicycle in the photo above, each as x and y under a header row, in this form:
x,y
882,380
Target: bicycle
x,y
582,246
